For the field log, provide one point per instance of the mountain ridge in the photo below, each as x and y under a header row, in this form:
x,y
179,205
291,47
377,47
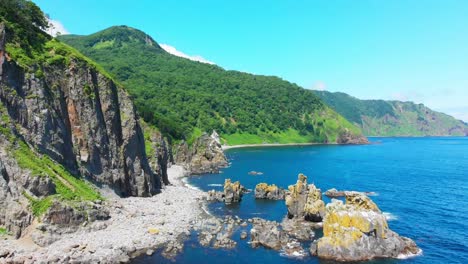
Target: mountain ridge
x,y
393,117
184,98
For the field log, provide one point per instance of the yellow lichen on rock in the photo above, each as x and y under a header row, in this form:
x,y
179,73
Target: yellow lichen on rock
x,y
153,231
361,201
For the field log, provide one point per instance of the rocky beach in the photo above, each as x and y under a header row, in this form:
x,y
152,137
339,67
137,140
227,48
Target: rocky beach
x,y
136,226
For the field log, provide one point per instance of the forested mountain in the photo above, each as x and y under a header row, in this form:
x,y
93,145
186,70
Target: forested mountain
x,y
183,97
393,118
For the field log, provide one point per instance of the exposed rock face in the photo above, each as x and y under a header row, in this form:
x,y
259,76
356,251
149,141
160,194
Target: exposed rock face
x,y
159,153
204,156
272,192
357,231
347,137
305,201
81,119
15,215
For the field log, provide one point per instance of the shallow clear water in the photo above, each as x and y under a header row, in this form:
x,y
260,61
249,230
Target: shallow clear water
x,y
421,182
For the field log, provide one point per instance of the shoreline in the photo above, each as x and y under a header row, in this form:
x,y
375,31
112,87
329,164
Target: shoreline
x,y
226,147
138,226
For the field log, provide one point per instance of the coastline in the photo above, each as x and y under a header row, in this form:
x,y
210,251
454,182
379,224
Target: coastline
x,y
226,147
137,226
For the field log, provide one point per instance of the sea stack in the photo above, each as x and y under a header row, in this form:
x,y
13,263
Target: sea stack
x,y
305,201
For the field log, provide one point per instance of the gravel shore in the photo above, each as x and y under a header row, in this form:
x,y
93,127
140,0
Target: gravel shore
x,y
137,226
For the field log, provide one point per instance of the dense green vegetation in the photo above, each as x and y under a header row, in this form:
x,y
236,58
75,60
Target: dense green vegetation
x,y
393,118
182,97
3,231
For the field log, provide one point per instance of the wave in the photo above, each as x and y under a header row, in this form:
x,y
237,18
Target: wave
x,y
190,186
409,255
215,185
390,216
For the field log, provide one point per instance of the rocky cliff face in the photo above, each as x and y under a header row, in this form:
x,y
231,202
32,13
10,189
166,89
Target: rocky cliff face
x,y
159,151
204,156
80,118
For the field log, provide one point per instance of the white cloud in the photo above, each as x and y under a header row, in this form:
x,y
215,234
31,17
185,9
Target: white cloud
x,y
56,28
319,86
172,50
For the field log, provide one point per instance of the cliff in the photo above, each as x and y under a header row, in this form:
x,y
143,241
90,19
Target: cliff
x,y
65,124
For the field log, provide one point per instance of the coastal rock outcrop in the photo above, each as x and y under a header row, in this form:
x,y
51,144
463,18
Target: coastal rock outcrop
x,y
305,201
270,235
232,193
272,192
358,231
346,137
204,156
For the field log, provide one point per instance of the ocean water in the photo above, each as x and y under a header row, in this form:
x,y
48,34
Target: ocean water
x,y
421,183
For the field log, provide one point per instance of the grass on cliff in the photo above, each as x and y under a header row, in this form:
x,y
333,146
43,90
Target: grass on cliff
x,y
68,187
3,231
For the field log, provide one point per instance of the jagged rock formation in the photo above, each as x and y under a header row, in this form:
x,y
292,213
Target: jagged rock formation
x,y
272,192
79,117
305,201
232,193
269,235
204,156
358,231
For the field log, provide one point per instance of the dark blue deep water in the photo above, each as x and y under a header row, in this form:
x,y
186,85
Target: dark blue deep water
x,y
421,182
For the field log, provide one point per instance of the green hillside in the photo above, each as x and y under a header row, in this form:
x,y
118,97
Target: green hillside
x,y
183,97
393,118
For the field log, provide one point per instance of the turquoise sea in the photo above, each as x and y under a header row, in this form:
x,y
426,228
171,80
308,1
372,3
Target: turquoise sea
x,y
421,183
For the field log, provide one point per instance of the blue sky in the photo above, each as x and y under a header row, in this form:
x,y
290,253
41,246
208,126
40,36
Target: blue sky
x,y
394,49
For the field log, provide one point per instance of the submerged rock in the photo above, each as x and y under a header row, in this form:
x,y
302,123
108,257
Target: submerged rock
x,y
272,192
358,231
305,201
334,193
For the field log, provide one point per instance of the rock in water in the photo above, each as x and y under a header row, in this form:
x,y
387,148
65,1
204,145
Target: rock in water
x,y
305,201
265,191
266,233
358,231
232,191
